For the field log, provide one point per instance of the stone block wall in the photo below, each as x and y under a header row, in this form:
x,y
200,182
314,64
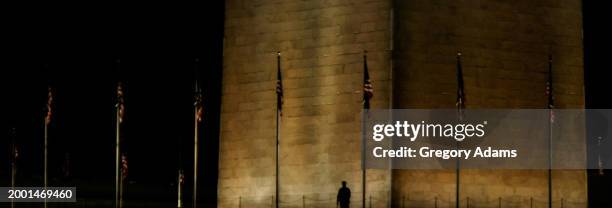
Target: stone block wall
x,y
505,46
321,44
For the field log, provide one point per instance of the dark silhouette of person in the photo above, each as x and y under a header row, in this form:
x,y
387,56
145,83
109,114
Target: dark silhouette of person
x,y
344,196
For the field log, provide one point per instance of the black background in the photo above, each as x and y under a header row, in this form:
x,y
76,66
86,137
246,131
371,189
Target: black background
x,y
75,49
597,77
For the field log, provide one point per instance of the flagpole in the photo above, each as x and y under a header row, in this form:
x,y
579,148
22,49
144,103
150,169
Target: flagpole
x,y
550,125
13,175
13,164
363,140
276,155
195,138
599,162
457,180
117,142
121,192
117,149
460,105
195,162
277,189
45,166
121,180
47,121
180,186
363,168
180,175
550,163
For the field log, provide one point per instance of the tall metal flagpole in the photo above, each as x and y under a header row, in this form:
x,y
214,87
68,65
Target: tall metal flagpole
x,y
45,154
117,154
195,162
276,158
599,161
279,97
180,189
363,168
122,178
367,95
47,122
549,92
460,106
117,149
181,176
14,163
118,109
198,118
45,166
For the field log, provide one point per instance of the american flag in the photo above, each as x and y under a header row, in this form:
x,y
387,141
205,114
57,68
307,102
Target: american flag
x,y
124,166
368,91
279,85
549,90
15,149
198,103
120,102
15,156
460,88
181,177
15,152
49,103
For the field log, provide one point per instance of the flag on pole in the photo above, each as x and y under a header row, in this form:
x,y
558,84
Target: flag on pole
x,y
14,148
460,103
279,85
49,103
199,108
124,166
120,102
181,177
551,116
198,103
279,113
549,90
368,91
15,153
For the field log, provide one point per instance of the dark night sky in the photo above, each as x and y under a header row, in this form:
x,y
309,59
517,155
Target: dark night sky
x,y
75,51
597,45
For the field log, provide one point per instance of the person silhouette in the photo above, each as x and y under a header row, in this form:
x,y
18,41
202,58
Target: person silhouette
x,y
344,196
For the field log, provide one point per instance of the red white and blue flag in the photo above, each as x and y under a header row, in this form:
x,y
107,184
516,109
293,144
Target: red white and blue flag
x,y
460,103
279,86
124,166
368,91
49,105
549,90
120,103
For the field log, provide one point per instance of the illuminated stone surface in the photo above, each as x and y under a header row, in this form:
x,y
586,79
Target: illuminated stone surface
x,y
505,47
